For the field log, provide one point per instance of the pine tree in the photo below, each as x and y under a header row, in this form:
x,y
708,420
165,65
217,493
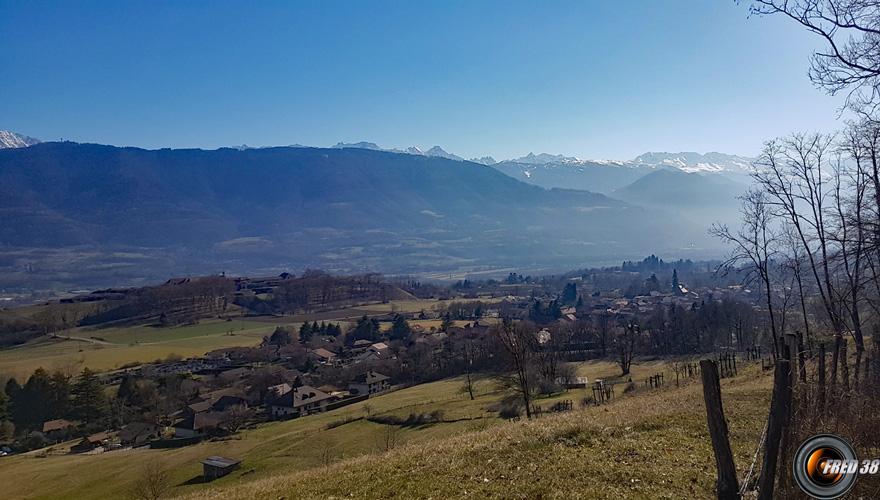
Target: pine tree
x,y
4,415
29,408
59,395
569,294
399,329
447,322
676,287
89,404
127,390
12,388
305,332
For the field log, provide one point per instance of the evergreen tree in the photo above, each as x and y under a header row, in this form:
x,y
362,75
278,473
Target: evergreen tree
x,y
334,330
400,329
366,329
569,294
447,322
89,404
281,336
676,287
305,332
12,388
29,408
4,415
127,390
59,395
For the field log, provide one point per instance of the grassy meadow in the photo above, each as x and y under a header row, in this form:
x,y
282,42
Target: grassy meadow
x,y
111,348
108,348
629,448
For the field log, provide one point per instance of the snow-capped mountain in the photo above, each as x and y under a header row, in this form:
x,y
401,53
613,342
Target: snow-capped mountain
x,y
545,158
486,160
358,145
12,140
441,153
436,151
697,163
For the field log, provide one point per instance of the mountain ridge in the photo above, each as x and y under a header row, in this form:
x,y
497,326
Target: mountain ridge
x,y
133,211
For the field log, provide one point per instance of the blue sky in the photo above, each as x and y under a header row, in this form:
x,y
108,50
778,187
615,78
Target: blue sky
x,y
605,80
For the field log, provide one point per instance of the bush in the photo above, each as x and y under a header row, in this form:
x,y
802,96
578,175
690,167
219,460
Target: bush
x,y
342,421
412,420
546,386
508,407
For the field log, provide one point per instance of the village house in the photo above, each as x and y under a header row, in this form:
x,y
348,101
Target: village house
x,y
371,382
323,356
139,433
199,424
57,430
379,347
301,400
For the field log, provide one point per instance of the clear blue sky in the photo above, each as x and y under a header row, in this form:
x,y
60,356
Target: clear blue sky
x,y
605,79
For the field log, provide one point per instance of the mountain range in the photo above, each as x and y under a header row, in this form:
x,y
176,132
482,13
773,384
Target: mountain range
x,y
88,215
12,140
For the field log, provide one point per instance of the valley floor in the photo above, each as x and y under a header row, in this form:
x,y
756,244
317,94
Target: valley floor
x,y
645,444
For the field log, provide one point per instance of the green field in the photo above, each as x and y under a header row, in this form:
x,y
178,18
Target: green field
x,y
644,434
105,349
110,348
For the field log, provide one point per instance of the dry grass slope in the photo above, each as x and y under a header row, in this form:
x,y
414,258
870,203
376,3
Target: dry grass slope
x,y
649,445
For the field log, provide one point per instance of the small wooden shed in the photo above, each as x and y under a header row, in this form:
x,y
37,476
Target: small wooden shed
x,y
215,467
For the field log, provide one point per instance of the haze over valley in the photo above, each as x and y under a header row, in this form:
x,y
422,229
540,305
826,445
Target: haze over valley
x,y
81,216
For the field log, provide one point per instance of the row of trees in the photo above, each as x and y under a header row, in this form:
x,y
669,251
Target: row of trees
x,y
47,396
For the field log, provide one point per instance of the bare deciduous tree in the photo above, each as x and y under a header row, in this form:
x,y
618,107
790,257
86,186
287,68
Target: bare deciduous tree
x,y
755,245
851,31
152,483
519,343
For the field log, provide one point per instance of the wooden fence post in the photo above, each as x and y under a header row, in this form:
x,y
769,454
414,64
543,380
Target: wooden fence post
x,y
780,411
821,387
802,365
726,486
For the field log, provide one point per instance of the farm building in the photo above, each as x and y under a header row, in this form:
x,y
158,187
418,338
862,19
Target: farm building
x,y
89,443
214,467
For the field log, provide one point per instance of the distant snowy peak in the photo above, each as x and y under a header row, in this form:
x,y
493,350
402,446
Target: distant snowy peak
x,y
544,158
441,153
695,162
357,145
12,140
435,151
486,160
686,161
